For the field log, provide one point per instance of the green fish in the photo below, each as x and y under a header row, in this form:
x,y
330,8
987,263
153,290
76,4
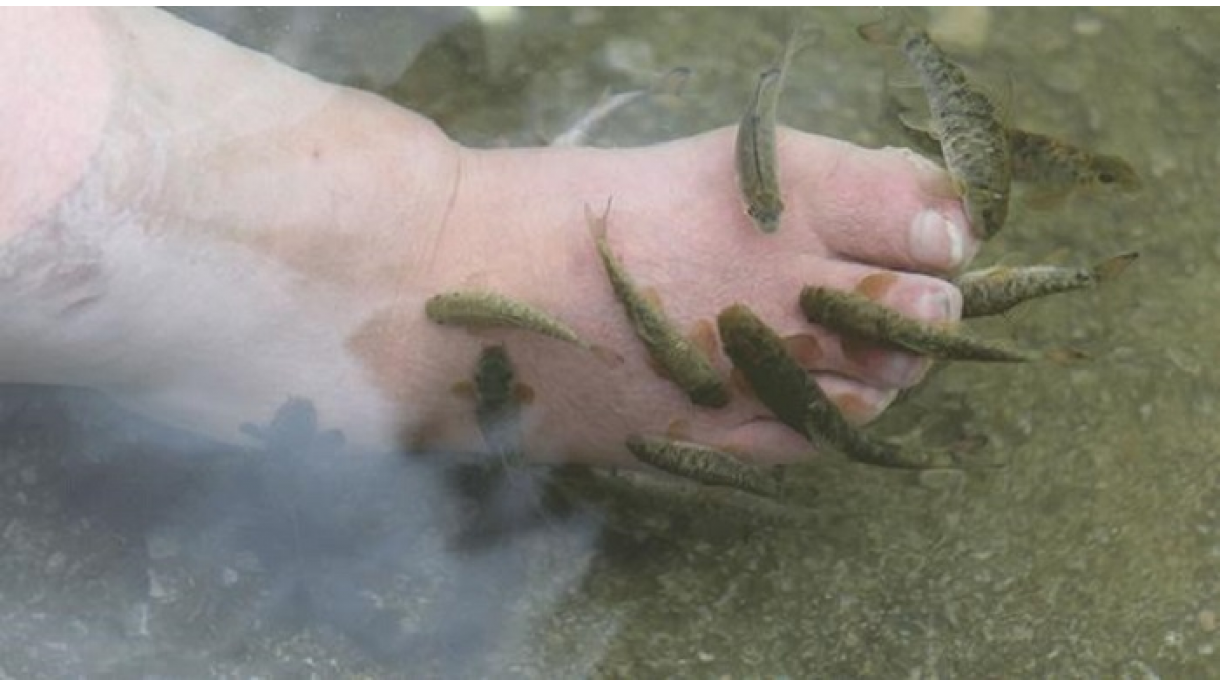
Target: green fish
x,y
677,358
757,161
703,464
996,290
796,399
498,402
1057,168
857,315
1054,168
484,309
964,121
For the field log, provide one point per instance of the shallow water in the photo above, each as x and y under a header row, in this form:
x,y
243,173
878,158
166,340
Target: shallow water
x,y
132,551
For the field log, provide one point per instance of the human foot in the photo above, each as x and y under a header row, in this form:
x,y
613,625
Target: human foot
x,y
250,234
518,227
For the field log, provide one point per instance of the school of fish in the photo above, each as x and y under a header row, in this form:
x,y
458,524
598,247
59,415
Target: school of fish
x,y
956,121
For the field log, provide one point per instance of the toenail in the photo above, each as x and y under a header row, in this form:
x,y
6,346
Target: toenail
x,y
936,241
933,306
902,370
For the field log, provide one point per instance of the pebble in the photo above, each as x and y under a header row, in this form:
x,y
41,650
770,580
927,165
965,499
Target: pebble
x,y
1207,620
1087,26
964,27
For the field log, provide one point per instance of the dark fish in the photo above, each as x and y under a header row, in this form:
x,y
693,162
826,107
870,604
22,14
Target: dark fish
x,y
498,402
796,399
1053,167
1057,168
996,290
678,358
704,464
964,120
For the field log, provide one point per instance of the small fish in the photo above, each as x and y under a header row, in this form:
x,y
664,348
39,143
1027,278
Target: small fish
x,y
633,492
484,309
996,290
578,134
703,464
757,161
498,402
294,430
1054,168
964,120
796,399
1058,168
679,359
854,314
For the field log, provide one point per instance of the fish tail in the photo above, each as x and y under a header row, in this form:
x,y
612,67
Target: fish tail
x,y
608,357
1066,355
886,31
1112,267
597,223
672,83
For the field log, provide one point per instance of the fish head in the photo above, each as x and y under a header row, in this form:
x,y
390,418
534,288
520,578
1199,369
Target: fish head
x,y
986,208
1113,174
766,211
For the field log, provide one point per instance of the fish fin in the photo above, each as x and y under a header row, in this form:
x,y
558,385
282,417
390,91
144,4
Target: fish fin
x,y
1047,197
678,430
672,82
652,297
959,186
463,389
1000,95
939,186
1112,267
886,31
523,393
1058,256
876,285
703,337
917,121
804,35
1066,355
608,357
805,349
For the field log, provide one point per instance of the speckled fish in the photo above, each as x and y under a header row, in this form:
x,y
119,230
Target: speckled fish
x,y
679,359
964,120
857,315
1054,168
484,309
703,464
996,290
786,389
1058,168
498,402
757,161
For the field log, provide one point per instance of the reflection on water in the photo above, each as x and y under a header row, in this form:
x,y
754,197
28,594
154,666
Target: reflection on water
x,y
130,551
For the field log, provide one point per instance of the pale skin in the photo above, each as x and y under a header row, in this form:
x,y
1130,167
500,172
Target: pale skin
x,y
202,232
